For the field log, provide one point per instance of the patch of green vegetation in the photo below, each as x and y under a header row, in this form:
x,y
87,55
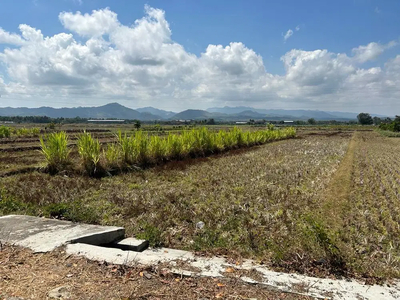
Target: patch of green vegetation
x,y
9,205
74,211
152,234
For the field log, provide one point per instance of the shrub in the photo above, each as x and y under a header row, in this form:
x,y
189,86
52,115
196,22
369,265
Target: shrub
x,y
55,150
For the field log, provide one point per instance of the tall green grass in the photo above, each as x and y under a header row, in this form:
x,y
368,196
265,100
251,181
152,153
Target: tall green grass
x,y
55,150
140,149
89,151
112,155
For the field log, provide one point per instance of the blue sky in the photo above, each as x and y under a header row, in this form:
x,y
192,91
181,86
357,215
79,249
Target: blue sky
x,y
318,66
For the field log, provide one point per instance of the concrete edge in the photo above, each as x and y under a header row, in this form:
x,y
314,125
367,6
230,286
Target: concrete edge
x,y
99,238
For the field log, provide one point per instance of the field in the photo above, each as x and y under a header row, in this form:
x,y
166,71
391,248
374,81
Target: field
x,y
324,203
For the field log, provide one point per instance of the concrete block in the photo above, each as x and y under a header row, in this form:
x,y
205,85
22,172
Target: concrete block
x,y
43,235
131,244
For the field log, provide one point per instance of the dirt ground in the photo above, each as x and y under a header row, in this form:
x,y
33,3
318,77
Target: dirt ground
x,y
31,276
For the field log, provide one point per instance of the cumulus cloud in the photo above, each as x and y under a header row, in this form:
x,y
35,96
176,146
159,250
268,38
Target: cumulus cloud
x,y
142,65
96,24
10,38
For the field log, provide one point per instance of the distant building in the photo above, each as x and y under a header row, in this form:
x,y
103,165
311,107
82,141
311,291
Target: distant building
x,y
241,123
106,121
288,122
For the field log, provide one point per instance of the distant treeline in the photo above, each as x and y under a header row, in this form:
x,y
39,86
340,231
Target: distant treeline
x,y
41,119
48,120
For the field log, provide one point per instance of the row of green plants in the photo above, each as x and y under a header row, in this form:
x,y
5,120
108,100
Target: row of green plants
x,y
6,132
141,149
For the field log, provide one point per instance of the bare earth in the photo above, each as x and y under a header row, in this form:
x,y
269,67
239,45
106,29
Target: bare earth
x,y
31,276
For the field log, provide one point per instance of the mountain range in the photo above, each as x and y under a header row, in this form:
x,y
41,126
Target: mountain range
x,y
117,111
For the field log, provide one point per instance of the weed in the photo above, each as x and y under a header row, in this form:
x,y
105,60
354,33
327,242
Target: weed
x,y
55,149
89,151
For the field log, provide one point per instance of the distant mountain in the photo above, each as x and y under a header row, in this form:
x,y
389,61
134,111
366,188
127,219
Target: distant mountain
x,y
193,114
230,110
249,114
112,110
286,114
240,113
158,112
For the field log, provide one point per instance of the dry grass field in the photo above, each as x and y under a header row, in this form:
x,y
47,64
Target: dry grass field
x,y
325,203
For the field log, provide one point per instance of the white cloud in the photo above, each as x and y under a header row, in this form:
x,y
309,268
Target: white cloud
x,y
10,38
297,28
371,51
141,65
288,34
96,24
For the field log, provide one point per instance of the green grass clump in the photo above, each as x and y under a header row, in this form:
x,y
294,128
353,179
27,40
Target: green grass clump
x,y
89,151
55,150
5,131
127,148
157,149
112,155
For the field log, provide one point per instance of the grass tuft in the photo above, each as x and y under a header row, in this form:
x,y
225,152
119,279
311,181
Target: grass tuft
x,y
55,149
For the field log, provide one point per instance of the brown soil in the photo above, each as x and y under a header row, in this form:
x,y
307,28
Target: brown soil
x,y
32,276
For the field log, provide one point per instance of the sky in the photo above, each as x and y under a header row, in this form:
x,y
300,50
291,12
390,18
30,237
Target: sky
x,y
341,55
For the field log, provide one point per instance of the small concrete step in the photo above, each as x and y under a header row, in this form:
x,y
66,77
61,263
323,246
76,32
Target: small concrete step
x,y
131,244
44,235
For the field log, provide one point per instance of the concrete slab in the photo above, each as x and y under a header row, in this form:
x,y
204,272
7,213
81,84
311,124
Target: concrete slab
x,y
43,235
320,288
131,244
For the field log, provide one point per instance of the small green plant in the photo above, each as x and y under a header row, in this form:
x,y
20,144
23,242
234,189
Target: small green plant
x,y
5,131
152,234
55,149
23,131
270,126
89,151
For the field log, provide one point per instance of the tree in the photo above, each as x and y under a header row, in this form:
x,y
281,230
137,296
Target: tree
x,y
365,119
312,121
377,120
211,121
137,124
